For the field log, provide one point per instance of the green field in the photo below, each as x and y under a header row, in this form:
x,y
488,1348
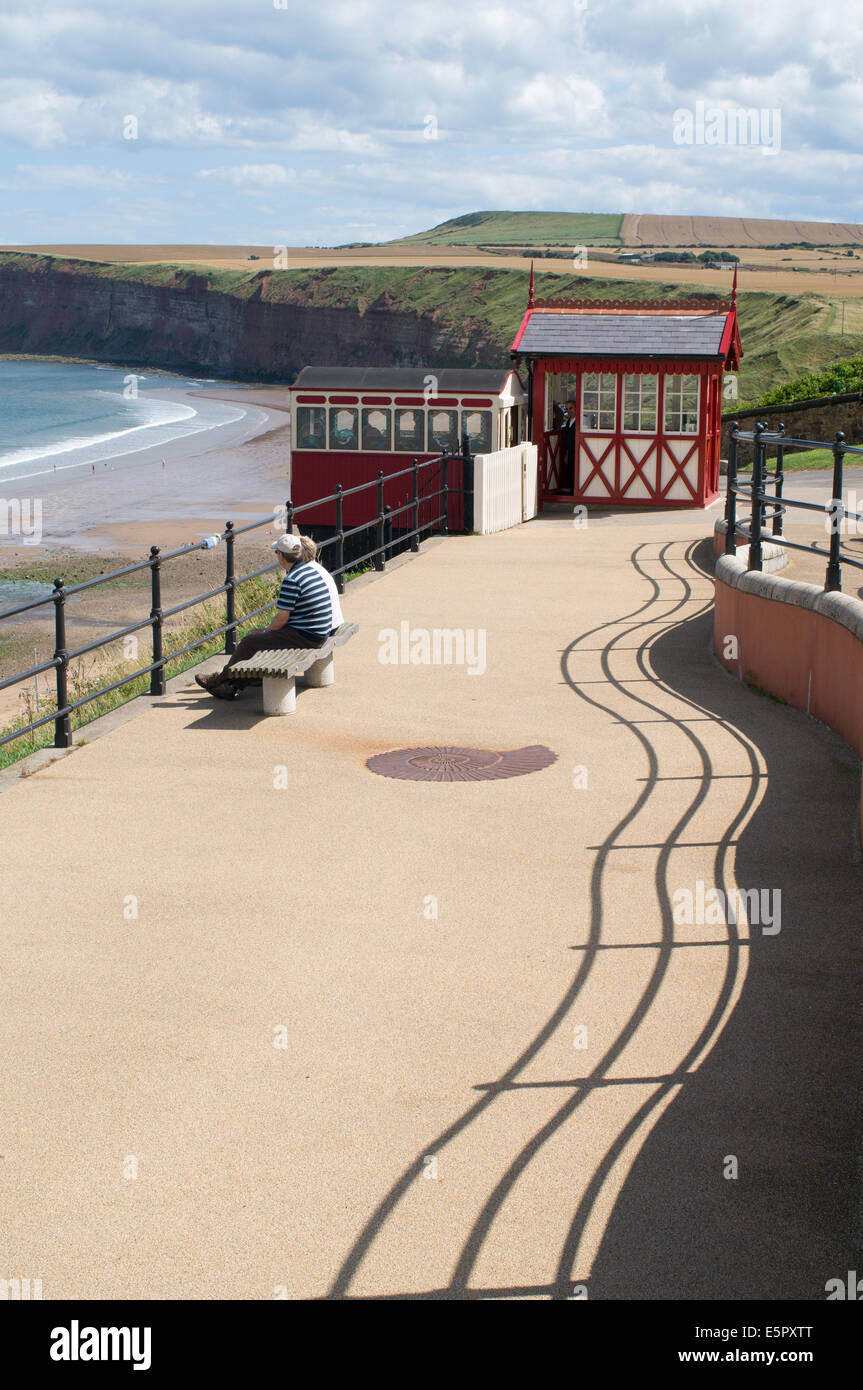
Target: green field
x,y
810,460
522,229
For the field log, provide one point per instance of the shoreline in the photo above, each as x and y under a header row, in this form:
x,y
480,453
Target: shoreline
x,y
167,494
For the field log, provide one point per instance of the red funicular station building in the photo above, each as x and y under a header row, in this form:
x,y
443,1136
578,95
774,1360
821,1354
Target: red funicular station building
x,y
646,383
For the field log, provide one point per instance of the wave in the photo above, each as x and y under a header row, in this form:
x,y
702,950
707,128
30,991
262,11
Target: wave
x,y
69,445
169,414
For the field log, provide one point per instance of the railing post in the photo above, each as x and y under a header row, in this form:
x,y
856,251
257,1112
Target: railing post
x,y
444,491
833,581
467,483
289,517
157,675
415,540
388,532
378,559
231,590
340,541
757,514
62,727
731,493
779,481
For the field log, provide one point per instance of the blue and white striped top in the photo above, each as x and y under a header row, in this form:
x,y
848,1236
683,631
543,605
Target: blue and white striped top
x,y
304,594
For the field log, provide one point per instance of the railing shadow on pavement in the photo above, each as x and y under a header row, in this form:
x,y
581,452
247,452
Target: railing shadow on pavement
x,y
779,1090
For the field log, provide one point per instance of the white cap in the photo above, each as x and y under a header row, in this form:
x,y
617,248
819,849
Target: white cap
x,y
288,545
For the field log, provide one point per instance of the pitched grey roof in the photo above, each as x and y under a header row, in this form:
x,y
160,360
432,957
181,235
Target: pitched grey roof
x,y
479,379
623,335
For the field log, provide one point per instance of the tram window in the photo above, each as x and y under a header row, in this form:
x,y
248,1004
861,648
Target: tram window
x,y
311,427
598,400
376,429
410,431
681,404
443,430
343,427
477,423
639,404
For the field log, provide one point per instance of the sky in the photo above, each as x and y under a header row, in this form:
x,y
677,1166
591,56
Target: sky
x,y
288,122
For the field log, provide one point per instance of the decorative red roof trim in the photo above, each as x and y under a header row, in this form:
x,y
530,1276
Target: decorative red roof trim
x,y
311,400
376,400
522,327
344,400
617,306
475,401
410,400
651,366
731,347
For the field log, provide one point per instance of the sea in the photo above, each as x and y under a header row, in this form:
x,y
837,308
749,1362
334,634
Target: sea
x,y
63,417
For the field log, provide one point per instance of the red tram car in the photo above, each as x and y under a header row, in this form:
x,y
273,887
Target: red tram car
x,y
349,423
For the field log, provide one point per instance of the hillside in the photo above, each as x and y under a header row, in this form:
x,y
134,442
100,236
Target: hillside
x,y
522,229
541,229
266,325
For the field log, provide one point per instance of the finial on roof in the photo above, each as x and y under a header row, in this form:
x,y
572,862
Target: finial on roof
x,y
530,294
734,288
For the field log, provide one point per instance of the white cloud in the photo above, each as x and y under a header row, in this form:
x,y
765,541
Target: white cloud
x,y
567,104
250,177
86,176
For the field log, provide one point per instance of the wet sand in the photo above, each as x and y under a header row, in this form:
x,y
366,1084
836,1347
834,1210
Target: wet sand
x,y
169,494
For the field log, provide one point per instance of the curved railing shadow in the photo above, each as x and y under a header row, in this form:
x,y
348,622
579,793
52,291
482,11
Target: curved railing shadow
x,y
780,1090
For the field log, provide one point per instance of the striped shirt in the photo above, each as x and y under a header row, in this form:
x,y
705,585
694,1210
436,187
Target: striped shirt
x,y
304,594
338,615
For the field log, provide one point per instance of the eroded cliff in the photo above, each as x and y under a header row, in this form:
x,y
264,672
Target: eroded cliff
x,y
262,326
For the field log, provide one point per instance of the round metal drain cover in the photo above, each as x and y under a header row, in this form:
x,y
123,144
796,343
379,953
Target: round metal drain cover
x,y
446,764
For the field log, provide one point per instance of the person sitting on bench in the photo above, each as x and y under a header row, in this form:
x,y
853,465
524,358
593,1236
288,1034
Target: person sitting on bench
x,y
310,554
304,616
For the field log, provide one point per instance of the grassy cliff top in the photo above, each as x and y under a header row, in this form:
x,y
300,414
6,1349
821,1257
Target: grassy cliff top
x,y
784,336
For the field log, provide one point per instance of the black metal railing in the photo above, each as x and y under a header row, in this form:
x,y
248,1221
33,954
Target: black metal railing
x,y
769,507
428,494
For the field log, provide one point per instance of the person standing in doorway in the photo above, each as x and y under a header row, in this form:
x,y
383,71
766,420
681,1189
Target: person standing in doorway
x,y
566,467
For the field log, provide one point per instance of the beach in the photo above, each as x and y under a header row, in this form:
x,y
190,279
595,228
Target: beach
x,y
168,494
95,523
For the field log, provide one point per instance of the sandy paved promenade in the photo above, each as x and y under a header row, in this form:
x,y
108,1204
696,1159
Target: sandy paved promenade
x,y
539,1087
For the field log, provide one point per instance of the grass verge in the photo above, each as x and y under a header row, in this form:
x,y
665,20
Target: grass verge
x,y
82,682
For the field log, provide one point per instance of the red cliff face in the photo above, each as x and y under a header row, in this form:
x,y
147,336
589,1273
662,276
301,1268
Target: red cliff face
x,y
62,308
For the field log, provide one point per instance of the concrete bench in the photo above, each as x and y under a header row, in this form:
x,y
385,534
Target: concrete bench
x,y
278,670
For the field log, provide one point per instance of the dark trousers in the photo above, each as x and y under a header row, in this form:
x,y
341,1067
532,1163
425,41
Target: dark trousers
x,y
261,640
567,459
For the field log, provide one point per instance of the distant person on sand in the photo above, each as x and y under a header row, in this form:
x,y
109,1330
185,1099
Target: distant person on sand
x,y
304,617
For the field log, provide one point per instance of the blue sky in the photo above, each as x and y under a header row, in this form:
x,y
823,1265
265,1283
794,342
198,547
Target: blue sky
x,y
292,124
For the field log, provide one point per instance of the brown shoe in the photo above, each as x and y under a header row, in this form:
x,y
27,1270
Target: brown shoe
x,y
211,681
225,690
